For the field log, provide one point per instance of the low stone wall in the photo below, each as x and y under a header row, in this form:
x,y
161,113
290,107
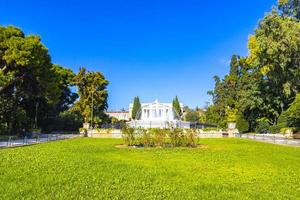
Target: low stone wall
x,y
277,135
111,133
117,133
106,136
210,135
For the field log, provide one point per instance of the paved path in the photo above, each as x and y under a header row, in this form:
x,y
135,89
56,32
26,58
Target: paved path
x,y
272,139
42,139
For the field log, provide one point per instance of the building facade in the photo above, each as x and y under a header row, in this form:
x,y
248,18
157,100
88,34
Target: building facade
x,y
157,115
120,115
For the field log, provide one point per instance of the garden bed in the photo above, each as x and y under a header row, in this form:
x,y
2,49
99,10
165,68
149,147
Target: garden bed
x,y
160,137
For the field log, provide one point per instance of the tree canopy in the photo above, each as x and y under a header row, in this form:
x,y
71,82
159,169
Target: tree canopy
x,y
263,84
92,94
27,79
290,8
34,92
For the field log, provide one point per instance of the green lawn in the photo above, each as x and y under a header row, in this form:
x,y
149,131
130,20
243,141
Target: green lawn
x,y
94,168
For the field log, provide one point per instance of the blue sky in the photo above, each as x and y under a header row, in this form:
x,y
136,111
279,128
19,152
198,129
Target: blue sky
x,y
151,49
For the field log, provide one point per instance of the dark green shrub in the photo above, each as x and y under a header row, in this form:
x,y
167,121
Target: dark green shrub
x,y
274,129
291,117
242,124
192,116
66,121
262,126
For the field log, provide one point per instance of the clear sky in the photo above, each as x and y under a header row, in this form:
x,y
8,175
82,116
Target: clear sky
x,y
154,49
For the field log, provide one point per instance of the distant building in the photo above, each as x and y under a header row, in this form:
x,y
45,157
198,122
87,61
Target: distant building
x,y
120,115
201,112
157,115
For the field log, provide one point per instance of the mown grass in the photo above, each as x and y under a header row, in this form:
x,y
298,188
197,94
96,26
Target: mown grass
x,y
95,169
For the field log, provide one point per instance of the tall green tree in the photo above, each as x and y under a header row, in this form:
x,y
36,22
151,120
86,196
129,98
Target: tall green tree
x,y
263,84
27,81
92,90
177,108
136,108
225,94
274,59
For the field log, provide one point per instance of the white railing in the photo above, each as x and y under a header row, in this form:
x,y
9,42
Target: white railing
x,y
13,142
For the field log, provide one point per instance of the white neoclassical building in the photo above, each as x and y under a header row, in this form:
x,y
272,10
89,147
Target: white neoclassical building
x,y
120,115
157,115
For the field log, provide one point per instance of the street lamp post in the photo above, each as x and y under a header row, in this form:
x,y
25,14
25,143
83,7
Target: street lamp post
x,y
92,110
36,114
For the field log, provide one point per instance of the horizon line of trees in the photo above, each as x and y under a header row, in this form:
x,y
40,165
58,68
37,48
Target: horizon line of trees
x,y
261,91
37,94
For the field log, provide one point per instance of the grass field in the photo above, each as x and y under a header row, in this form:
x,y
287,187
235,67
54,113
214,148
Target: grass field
x,y
94,168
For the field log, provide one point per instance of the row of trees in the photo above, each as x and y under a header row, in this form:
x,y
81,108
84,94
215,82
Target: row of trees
x,y
260,89
35,93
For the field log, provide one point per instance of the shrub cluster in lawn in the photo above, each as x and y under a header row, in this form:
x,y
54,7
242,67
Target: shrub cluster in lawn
x,y
159,137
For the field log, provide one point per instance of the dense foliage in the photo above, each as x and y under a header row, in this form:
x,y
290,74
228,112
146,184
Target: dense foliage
x,y
262,85
93,95
192,115
159,137
136,108
88,168
242,124
290,8
291,117
27,80
34,92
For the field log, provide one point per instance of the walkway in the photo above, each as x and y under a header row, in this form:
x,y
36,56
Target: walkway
x,y
272,138
41,139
